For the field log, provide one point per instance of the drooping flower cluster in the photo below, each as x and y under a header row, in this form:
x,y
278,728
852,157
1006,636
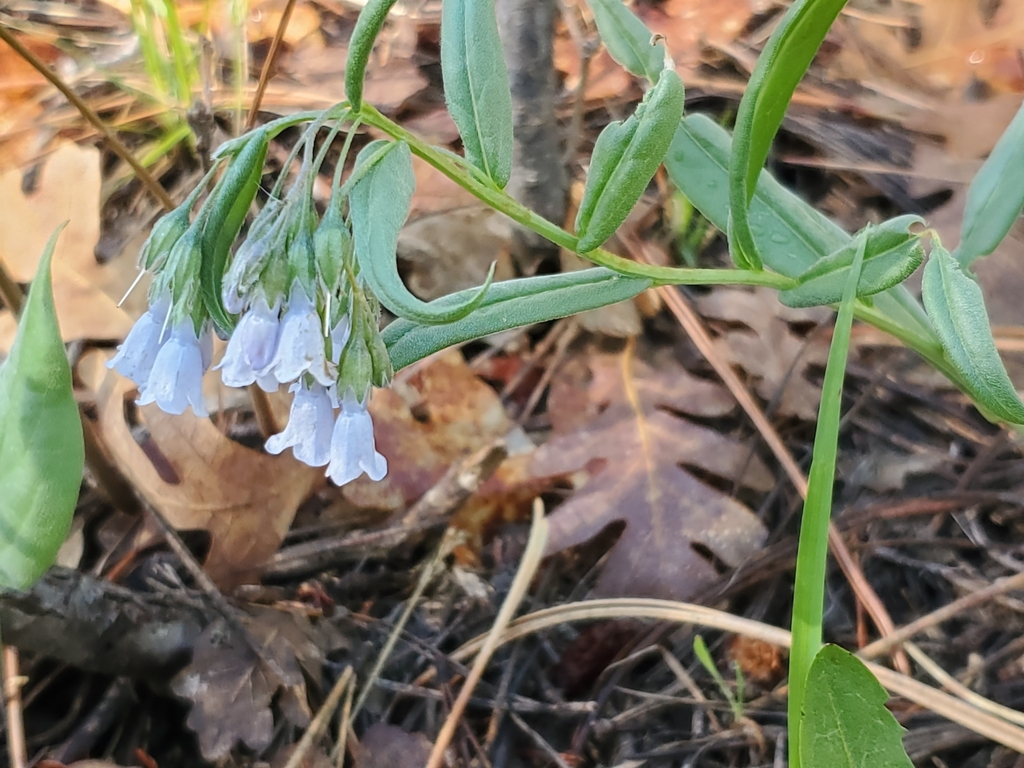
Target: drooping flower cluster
x,y
303,318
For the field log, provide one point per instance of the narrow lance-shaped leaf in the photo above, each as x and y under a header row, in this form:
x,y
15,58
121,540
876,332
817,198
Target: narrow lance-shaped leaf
x,y
812,550
957,308
476,85
41,450
891,256
511,304
791,234
779,69
628,39
995,197
360,45
845,723
227,209
626,157
378,206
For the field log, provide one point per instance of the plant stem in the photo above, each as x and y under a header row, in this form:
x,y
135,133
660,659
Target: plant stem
x,y
450,166
812,550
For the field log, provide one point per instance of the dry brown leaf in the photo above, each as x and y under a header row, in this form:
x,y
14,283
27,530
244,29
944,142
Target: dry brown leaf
x,y
231,688
68,189
388,746
689,26
423,424
200,479
676,525
769,349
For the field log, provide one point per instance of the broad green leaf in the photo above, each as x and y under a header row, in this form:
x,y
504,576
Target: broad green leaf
x,y
626,157
41,450
378,206
845,723
476,85
791,234
957,309
226,213
511,304
360,44
995,197
779,69
892,255
812,550
628,39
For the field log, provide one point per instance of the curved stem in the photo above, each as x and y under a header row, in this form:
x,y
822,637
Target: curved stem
x,y
520,214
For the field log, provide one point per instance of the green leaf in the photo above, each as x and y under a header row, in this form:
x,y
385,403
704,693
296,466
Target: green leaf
x,y
41,449
892,255
628,39
378,206
226,212
957,308
511,304
791,234
476,85
995,197
626,157
845,723
812,550
779,69
360,44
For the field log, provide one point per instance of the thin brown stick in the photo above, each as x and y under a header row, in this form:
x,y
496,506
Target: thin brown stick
x,y
89,114
10,292
275,46
13,681
320,721
695,329
955,608
263,411
527,568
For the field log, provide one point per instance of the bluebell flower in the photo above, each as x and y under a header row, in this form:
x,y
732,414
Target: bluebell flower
x,y
308,433
135,357
176,378
353,450
252,346
300,347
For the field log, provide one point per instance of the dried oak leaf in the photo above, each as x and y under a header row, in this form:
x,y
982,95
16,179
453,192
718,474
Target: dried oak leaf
x,y
68,189
770,347
199,478
231,687
388,746
676,526
425,422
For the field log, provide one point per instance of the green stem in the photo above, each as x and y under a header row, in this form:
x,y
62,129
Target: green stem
x,y
500,201
812,550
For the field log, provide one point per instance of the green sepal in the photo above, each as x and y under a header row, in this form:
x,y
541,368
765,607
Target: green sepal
x,y
956,307
893,253
511,304
378,206
41,447
228,207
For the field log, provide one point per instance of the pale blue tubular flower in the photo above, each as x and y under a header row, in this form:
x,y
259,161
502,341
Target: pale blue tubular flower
x,y
176,379
308,433
353,450
135,357
252,346
301,346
